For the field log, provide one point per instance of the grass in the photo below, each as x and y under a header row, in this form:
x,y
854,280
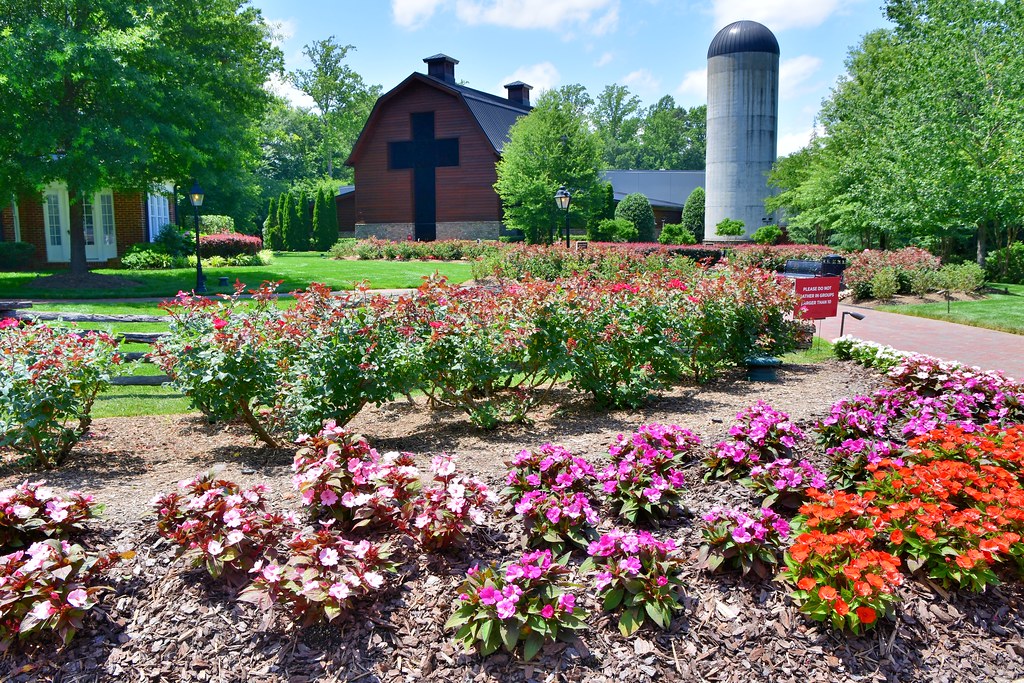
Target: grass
x,y
297,270
1002,312
820,351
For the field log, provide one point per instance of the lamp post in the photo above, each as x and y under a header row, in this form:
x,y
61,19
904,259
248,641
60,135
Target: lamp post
x,y
563,198
842,320
195,195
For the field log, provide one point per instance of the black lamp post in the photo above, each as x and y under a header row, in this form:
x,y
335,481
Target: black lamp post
x,y
195,195
842,319
563,198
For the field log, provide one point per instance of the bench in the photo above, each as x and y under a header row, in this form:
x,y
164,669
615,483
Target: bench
x,y
797,268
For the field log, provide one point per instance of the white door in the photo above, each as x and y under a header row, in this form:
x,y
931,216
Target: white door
x,y
56,224
100,235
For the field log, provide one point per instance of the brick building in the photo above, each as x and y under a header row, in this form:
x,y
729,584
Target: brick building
x,y
113,222
425,161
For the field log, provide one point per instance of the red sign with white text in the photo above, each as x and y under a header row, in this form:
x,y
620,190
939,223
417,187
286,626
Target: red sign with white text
x,y
819,297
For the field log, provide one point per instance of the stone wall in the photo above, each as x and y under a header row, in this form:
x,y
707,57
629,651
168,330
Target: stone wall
x,y
385,231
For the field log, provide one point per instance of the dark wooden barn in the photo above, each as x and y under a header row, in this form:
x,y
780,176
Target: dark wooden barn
x,y
425,161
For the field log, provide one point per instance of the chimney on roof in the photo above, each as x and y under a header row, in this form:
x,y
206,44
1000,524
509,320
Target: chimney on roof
x,y
441,67
519,92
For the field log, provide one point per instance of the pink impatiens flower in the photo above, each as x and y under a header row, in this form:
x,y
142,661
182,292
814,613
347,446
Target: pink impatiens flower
x,y
78,598
548,611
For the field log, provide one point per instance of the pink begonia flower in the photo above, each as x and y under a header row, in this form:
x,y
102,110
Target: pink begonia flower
x,y
553,514
603,580
506,609
233,517
339,591
533,480
489,595
272,573
235,537
215,548
360,549
443,465
548,611
662,580
78,598
328,497
43,610
374,579
630,565
652,494
56,511
514,572
328,557
567,602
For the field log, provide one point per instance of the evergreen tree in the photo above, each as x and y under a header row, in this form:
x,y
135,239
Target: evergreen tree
x,y
693,214
636,209
609,201
294,232
272,227
306,204
325,222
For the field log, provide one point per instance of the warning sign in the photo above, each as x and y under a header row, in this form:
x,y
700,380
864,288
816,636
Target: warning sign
x,y
819,297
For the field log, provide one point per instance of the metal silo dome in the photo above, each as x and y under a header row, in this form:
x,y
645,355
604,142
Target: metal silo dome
x,y
743,36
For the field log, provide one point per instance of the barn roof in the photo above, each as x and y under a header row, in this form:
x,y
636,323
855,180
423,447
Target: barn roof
x,y
493,113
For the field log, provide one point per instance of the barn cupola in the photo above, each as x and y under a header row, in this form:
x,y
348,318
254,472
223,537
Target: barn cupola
x,y
519,92
441,67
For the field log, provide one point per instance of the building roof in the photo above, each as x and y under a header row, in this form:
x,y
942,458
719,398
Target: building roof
x,y
743,36
344,190
665,189
493,113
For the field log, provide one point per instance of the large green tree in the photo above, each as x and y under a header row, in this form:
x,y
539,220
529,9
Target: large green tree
x,y
111,93
551,146
922,136
343,101
616,119
673,137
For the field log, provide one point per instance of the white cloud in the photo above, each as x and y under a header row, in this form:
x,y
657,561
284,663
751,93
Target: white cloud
x,y
597,16
543,76
792,142
412,14
642,81
794,72
283,30
284,89
778,15
694,86
604,60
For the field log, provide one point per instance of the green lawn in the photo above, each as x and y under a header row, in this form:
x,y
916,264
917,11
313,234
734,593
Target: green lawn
x,y
820,351
1003,312
297,270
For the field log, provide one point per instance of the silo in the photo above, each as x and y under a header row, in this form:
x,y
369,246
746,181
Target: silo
x,y
743,111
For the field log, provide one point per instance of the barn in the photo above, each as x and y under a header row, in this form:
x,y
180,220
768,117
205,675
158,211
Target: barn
x,y
425,161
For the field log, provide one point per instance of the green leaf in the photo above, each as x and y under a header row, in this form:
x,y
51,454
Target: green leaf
x,y
510,635
655,614
630,622
532,646
612,599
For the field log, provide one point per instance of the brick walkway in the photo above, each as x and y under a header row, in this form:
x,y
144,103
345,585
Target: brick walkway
x,y
987,349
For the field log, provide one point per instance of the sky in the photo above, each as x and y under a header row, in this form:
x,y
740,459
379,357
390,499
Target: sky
x,y
656,47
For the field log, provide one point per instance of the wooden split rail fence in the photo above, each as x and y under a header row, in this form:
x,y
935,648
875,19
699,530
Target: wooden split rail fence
x,y
20,311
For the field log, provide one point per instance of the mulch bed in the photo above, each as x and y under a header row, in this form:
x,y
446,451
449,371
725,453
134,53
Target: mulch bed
x,y
80,282
164,621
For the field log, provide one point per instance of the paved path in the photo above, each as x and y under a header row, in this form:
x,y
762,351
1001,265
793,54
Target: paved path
x,y
987,349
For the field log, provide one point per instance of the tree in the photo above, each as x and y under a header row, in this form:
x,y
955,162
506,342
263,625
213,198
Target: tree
x,y
551,146
295,238
342,99
614,117
693,214
105,93
325,221
673,137
272,227
636,209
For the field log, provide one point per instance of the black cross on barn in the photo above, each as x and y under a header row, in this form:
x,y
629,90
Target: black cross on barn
x,y
423,154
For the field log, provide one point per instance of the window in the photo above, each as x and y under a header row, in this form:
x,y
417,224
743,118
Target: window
x,y
159,214
88,221
106,218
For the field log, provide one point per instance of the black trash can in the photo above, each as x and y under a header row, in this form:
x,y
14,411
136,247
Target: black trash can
x,y
833,265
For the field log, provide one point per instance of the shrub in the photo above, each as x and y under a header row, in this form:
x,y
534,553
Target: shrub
x,y
32,512
439,516
319,576
49,378
526,602
638,573
224,528
865,265
339,475
146,257
750,542
966,277
676,233
637,210
885,284
729,227
229,244
767,234
1006,264
761,434
325,221
175,241
644,479
693,214
613,230
16,255
213,224
50,587
923,282
345,246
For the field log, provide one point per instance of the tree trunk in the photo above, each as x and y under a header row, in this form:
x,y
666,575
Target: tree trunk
x,y
982,242
78,265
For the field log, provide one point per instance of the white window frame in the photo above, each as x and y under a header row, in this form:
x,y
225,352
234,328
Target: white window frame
x,y
159,217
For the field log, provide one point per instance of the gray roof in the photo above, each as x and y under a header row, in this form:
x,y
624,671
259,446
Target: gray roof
x,y
666,189
494,113
743,36
344,190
